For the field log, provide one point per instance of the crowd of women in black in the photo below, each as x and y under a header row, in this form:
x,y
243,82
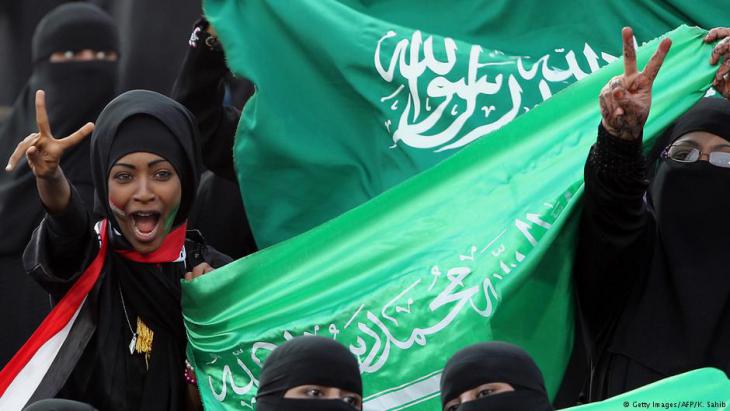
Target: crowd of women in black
x,y
652,286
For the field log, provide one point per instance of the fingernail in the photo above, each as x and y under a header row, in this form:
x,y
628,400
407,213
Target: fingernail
x,y
8,167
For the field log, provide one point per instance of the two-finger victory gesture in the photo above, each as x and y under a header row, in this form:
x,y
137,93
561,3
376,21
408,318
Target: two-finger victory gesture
x,y
42,150
626,99
44,154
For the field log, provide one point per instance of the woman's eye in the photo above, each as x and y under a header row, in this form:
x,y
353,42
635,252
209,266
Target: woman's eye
x,y
352,401
452,407
485,393
163,175
313,392
122,177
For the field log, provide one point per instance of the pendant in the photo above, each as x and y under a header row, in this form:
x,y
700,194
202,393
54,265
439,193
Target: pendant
x,y
133,343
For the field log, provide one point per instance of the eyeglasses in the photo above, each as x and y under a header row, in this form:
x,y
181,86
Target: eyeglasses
x,y
685,153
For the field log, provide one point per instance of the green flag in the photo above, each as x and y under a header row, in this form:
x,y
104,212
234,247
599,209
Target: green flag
x,y
476,248
705,389
355,96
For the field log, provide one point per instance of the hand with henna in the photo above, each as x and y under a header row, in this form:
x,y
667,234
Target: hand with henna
x,y
626,100
720,52
44,153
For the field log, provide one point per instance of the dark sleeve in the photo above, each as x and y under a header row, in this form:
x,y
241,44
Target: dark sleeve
x,y
198,251
215,258
61,247
612,241
200,87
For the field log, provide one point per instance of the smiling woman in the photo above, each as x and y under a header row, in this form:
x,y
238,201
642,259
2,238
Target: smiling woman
x,y
143,164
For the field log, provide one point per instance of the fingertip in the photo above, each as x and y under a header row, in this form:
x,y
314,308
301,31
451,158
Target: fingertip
x,y
9,166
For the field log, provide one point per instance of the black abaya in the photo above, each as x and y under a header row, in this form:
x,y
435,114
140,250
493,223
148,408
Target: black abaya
x,y
650,274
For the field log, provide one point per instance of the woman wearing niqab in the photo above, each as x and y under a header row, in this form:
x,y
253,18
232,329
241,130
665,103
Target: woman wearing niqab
x,y
493,363
77,92
309,361
651,273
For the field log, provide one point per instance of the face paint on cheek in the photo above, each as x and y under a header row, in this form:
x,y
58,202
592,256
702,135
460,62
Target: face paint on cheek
x,y
115,208
171,218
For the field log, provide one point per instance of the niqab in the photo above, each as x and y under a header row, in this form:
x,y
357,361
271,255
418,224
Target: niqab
x,y
75,94
307,360
492,362
683,311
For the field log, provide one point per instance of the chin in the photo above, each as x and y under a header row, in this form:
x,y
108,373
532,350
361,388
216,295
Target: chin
x,y
146,248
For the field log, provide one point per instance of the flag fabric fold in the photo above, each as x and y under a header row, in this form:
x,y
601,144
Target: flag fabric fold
x,y
353,97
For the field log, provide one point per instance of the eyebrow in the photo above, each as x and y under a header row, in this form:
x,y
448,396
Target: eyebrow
x,y
155,162
150,164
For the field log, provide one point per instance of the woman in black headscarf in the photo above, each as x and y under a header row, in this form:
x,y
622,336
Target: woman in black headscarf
x,y
651,272
74,59
310,373
128,350
493,376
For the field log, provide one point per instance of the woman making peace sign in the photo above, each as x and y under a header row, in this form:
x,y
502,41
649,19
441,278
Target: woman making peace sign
x,y
128,339
651,270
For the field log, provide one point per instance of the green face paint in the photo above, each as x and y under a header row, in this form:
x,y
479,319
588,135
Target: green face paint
x,y
170,218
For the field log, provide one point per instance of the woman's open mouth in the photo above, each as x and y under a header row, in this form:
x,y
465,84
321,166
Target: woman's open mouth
x,y
146,225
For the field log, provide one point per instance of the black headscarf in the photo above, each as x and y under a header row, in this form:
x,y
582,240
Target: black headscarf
x,y
495,362
307,360
683,314
146,121
75,94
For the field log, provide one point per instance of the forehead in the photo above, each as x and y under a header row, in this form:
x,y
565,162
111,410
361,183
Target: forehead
x,y
702,139
140,158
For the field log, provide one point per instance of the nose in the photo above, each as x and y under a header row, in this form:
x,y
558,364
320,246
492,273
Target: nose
x,y
143,193
704,156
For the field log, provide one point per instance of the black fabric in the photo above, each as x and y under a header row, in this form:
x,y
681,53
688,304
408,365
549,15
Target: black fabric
x,y
508,401
74,26
201,87
650,269
685,312
286,404
219,214
495,362
107,375
59,405
709,114
182,133
75,94
307,360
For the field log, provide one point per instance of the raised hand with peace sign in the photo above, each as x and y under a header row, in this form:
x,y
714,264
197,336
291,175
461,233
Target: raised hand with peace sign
x,y
626,99
44,153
